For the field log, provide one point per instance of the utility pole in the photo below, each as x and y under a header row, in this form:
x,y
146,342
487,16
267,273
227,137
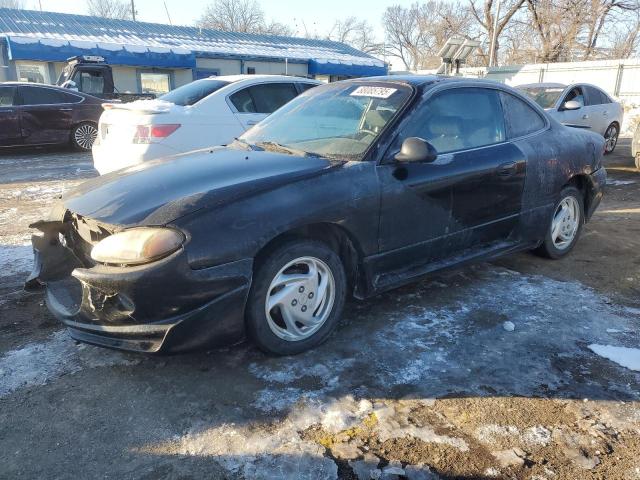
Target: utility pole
x,y
133,10
494,36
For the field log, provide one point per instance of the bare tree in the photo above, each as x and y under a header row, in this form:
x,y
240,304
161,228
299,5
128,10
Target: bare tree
x,y
414,34
625,38
356,33
16,4
598,14
117,9
240,16
487,20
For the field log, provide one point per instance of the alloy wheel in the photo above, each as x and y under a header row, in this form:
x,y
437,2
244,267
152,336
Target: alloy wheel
x,y
300,298
611,138
85,135
565,224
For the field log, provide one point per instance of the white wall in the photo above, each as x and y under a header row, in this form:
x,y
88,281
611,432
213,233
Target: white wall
x,y
226,67
277,68
182,77
620,78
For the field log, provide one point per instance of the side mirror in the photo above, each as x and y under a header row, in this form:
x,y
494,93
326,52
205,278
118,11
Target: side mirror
x,y
571,105
415,149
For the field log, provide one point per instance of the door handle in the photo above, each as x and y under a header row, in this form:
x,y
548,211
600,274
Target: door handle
x,y
507,170
65,109
585,117
252,122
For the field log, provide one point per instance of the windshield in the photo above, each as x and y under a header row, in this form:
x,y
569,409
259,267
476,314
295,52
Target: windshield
x,y
340,120
546,97
193,92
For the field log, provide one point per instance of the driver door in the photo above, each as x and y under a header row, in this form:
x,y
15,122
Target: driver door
x,y
467,199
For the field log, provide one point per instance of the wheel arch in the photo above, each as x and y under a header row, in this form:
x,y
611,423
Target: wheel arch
x,y
335,236
584,185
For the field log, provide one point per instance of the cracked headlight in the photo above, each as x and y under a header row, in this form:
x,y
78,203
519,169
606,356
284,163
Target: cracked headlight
x,y
137,245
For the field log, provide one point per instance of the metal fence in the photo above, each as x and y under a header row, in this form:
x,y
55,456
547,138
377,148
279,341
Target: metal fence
x,y
620,78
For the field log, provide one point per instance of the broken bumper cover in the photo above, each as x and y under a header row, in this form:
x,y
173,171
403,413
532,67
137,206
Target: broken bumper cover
x,y
160,307
598,182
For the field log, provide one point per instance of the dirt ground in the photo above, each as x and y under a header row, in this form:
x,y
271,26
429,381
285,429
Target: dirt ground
x,y
486,372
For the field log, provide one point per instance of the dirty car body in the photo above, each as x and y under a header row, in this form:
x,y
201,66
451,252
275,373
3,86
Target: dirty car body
x,y
490,191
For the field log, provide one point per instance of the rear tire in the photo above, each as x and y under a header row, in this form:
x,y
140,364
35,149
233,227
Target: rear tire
x,y
296,297
565,225
611,138
83,135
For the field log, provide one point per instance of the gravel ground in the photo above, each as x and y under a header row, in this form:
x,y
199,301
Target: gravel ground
x,y
522,368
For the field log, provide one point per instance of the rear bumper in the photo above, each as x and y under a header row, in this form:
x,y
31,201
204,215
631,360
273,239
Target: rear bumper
x,y
109,157
160,307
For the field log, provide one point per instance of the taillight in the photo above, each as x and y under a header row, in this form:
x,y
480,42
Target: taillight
x,y
149,133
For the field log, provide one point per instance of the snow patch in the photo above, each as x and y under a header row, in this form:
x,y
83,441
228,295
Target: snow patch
x,y
15,259
623,356
620,182
39,363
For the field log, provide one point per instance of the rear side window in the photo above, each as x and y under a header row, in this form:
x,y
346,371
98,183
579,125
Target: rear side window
x,y
7,96
459,119
265,98
520,118
193,92
306,86
597,96
243,101
46,96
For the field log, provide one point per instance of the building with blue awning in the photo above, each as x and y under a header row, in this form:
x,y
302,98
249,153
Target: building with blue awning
x,y
150,57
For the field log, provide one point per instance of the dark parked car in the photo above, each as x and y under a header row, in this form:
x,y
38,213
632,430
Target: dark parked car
x,y
34,114
353,187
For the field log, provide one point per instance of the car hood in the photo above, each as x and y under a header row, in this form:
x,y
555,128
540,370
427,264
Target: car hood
x,y
158,192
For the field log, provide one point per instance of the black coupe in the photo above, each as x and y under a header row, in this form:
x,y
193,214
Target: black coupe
x,y
354,187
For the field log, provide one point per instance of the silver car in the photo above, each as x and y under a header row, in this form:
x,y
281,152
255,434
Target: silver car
x,y
580,105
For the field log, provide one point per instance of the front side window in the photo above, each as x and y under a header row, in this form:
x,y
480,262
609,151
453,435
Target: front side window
x,y
271,96
575,94
46,96
193,92
520,118
335,120
156,83
265,98
458,119
7,96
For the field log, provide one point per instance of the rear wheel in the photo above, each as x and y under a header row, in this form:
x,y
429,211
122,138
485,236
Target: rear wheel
x,y
565,225
611,138
83,135
296,298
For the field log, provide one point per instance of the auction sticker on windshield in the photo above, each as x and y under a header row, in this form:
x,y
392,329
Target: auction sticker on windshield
x,y
375,92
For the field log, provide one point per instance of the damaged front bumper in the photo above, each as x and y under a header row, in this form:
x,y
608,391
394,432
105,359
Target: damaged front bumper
x,y
160,307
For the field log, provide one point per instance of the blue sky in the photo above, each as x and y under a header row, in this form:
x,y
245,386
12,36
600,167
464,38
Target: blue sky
x,y
317,15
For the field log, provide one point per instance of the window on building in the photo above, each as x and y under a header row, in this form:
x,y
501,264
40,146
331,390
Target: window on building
x,y
32,72
251,70
156,83
521,118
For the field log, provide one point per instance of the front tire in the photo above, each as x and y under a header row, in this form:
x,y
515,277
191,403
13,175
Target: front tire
x,y
83,135
611,138
296,298
564,226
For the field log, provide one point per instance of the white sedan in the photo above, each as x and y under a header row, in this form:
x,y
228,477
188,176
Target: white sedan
x,y
207,112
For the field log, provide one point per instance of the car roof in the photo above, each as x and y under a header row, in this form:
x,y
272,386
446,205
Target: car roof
x,y
543,85
244,77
